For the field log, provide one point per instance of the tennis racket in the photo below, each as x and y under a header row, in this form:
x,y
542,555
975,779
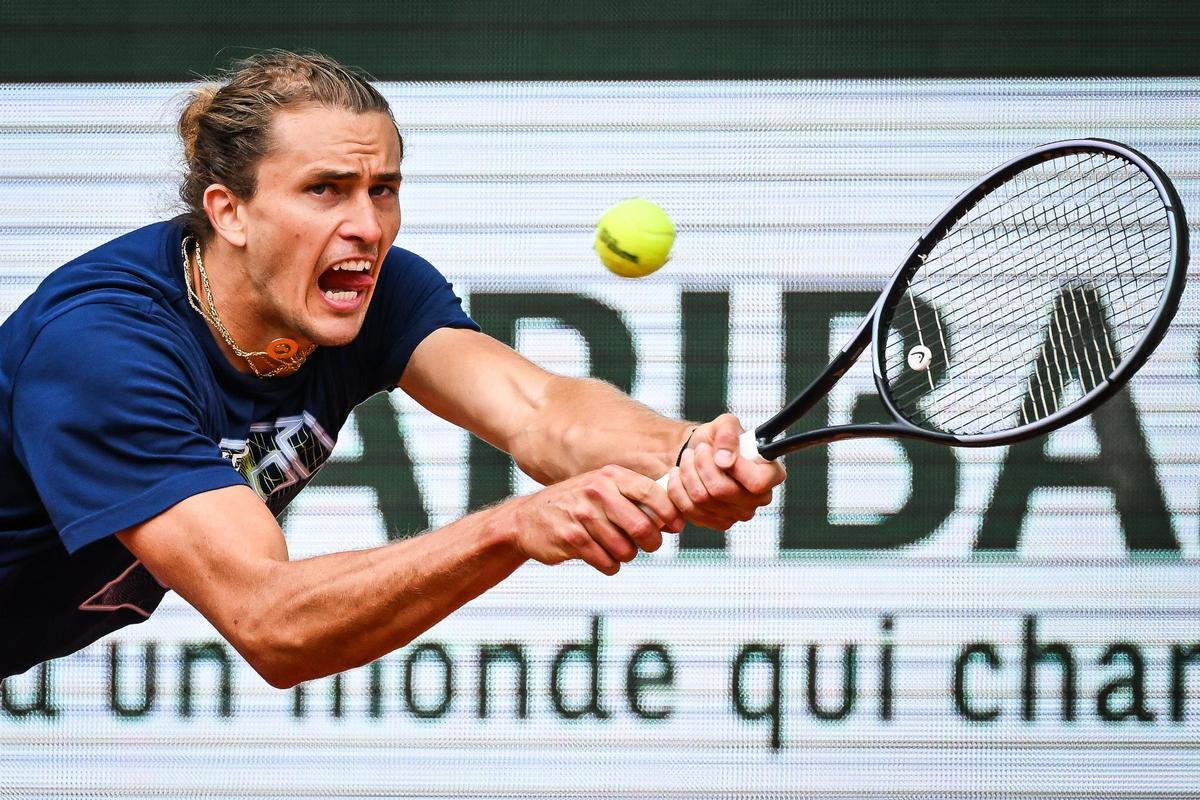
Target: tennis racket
x,y
1029,302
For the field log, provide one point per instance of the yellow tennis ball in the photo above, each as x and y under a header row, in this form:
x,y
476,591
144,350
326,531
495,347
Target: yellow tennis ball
x,y
634,237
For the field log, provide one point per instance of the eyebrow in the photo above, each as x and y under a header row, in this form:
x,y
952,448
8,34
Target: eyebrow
x,y
343,175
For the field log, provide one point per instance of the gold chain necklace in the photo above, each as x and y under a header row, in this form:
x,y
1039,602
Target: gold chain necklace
x,y
283,350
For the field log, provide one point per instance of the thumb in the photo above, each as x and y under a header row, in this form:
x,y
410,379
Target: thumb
x,y
726,430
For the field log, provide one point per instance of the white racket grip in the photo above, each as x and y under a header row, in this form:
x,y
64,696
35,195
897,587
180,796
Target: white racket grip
x,y
749,445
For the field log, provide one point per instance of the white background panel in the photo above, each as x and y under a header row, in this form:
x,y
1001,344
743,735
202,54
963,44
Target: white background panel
x,y
775,187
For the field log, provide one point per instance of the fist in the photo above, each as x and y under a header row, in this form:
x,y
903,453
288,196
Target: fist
x,y
714,484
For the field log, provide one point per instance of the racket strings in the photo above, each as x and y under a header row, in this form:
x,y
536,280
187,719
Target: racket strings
x,y
1032,296
1001,296
1061,338
1058,372
1065,355
990,325
963,249
1000,308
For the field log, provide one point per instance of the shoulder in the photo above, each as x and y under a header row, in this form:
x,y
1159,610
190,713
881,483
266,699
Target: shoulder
x,y
111,339
410,288
137,269
145,261
106,295
411,300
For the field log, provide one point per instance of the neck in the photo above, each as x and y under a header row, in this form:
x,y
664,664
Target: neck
x,y
214,293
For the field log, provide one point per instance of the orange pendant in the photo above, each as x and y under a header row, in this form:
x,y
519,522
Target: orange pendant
x,y
282,348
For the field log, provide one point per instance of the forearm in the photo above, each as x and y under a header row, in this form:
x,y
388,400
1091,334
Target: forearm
x,y
584,424
323,615
555,427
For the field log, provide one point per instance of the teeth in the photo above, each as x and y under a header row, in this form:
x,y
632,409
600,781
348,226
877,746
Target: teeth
x,y
353,266
339,297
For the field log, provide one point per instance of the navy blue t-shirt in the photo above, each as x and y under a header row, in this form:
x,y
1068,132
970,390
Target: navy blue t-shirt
x,y
116,403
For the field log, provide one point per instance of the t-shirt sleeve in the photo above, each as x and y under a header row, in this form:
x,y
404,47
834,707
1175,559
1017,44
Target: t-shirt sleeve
x,y
107,418
411,301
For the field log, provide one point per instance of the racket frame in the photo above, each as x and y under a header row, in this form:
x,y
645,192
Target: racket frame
x,y
874,326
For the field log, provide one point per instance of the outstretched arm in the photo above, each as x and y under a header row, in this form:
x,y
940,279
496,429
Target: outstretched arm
x,y
223,552
556,427
553,426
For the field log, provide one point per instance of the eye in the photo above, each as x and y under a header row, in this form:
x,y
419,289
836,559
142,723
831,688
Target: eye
x,y
383,190
319,189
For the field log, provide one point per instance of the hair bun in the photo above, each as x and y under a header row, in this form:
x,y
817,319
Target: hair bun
x,y
199,101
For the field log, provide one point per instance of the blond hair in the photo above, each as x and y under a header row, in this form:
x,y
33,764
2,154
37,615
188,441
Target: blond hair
x,y
225,124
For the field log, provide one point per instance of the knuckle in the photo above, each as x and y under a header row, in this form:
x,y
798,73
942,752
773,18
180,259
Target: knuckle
x,y
604,564
755,488
611,471
576,539
726,491
642,529
683,502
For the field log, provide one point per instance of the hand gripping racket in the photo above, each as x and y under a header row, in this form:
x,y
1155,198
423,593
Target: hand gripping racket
x,y
1033,298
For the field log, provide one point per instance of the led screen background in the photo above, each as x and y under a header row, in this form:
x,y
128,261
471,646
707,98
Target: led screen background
x,y
904,620
898,617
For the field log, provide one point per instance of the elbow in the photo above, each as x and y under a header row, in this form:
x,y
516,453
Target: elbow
x,y
285,656
280,658
278,677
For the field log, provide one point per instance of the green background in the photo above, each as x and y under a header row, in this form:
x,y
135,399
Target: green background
x,y
149,40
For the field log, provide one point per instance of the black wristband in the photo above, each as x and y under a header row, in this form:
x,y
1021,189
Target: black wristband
x,y
679,458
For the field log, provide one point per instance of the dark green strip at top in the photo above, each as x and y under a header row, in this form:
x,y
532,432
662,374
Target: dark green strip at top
x,y
151,40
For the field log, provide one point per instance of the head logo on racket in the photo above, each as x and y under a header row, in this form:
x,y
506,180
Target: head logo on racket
x,y
920,357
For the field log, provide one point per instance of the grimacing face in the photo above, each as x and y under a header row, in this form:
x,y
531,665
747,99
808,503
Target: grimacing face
x,y
325,211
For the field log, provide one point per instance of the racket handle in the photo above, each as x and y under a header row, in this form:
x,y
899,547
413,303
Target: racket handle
x,y
748,444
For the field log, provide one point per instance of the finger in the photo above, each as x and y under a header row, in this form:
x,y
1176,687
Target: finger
x,y
679,494
582,545
637,507
613,538
644,531
759,476
690,479
726,432
719,485
703,509
651,499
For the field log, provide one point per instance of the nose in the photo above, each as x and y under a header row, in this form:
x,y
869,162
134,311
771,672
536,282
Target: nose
x,y
362,221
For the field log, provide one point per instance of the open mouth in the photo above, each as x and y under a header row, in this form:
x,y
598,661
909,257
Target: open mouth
x,y
346,281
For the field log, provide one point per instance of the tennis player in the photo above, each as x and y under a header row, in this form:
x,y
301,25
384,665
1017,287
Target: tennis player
x,y
166,395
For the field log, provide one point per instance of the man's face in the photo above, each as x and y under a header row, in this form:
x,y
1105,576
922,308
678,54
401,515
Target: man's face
x,y
324,214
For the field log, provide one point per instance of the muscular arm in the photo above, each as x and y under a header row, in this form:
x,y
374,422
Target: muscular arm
x,y
295,620
553,426
224,553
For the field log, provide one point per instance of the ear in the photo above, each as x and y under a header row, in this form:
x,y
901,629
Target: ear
x,y
224,210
